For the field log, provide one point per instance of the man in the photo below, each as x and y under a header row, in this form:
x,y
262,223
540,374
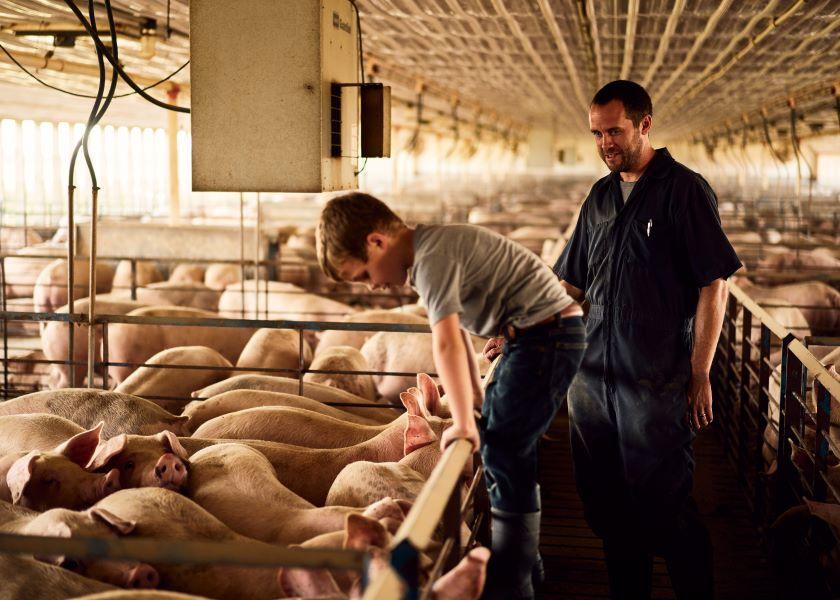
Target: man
x,y
649,255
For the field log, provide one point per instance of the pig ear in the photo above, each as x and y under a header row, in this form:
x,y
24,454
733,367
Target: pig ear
x,y
105,451
81,447
417,434
361,532
170,440
411,402
121,526
179,425
431,394
20,474
306,583
830,513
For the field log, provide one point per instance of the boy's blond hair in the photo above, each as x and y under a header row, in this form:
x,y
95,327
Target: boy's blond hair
x,y
345,223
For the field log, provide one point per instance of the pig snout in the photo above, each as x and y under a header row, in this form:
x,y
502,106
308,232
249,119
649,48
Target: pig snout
x,y
170,471
142,576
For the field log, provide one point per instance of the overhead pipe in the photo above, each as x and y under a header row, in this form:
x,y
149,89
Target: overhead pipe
x,y
711,24
514,27
629,38
664,41
586,9
751,43
565,55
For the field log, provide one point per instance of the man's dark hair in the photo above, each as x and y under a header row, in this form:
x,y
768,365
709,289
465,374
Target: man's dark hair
x,y
635,99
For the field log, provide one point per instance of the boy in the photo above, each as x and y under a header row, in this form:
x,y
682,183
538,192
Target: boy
x,y
470,276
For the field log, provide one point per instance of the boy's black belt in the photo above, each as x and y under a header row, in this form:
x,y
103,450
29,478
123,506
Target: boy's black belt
x,y
511,333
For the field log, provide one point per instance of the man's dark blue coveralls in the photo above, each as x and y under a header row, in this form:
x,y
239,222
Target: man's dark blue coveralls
x,y
641,266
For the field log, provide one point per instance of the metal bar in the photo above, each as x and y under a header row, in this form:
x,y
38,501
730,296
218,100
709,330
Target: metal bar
x,y
133,263
91,337
241,553
300,363
105,372
822,440
242,250
5,329
760,498
70,276
452,527
790,378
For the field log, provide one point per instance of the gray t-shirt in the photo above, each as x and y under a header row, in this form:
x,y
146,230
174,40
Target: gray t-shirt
x,y
626,188
489,280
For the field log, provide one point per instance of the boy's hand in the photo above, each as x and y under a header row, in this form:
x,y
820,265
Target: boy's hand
x,y
456,432
493,347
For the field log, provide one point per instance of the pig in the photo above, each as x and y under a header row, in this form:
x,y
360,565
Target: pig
x,y
360,481
145,272
22,271
19,575
169,388
220,275
305,428
403,352
357,339
793,265
26,432
201,411
343,358
14,238
122,413
238,486
136,343
55,338
309,472
818,302
284,301
187,273
162,513
180,293
56,478
144,461
50,290
145,595
93,522
275,349
532,237
465,581
287,385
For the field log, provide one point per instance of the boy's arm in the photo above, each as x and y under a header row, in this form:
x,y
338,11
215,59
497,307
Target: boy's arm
x,y
451,363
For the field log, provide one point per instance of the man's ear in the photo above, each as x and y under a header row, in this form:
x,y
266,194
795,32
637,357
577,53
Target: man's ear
x,y
376,239
645,125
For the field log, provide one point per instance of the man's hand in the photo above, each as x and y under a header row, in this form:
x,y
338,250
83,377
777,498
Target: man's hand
x,y
470,433
493,348
699,414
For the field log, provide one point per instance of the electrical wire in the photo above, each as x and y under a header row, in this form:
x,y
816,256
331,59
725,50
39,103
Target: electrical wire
x,y
116,64
361,69
78,95
94,111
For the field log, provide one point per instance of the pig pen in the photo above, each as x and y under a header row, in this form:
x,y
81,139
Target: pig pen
x,y
440,506
751,418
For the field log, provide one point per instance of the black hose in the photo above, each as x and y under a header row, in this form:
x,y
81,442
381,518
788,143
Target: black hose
x,y
101,47
82,143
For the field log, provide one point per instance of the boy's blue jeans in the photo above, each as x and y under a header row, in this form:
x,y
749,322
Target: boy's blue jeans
x,y
528,387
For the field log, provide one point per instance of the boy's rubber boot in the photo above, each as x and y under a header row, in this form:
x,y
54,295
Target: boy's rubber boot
x,y
515,540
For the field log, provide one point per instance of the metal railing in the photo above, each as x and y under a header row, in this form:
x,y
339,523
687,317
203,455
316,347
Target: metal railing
x,y
742,376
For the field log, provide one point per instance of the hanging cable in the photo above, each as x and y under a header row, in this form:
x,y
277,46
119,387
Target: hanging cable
x,y
767,138
116,64
78,95
836,90
456,133
361,69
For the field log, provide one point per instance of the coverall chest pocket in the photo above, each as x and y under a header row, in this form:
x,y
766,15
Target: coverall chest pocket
x,y
599,235
648,242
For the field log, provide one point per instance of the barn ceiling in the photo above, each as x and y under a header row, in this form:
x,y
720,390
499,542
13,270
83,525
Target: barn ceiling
x,y
708,65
